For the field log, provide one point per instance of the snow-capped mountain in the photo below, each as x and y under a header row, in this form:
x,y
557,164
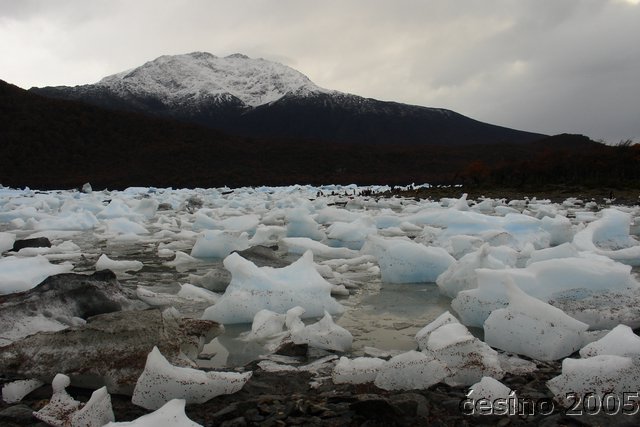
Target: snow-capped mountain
x,y
260,98
200,76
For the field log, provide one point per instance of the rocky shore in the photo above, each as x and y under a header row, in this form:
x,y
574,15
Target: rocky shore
x,y
286,399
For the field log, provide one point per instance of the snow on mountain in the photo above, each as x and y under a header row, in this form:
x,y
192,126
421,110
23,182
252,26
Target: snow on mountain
x,y
183,79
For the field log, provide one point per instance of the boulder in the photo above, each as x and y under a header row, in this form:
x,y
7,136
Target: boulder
x,y
36,242
110,350
61,301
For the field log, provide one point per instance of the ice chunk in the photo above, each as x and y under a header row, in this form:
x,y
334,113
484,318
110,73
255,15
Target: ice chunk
x,y
565,250
609,236
450,342
106,263
533,328
255,288
124,226
301,224
170,414
219,244
356,371
197,293
96,412
161,382
598,377
461,275
6,241
324,334
118,208
620,341
182,261
490,397
80,221
423,334
353,234
542,280
403,261
412,370
266,325
21,274
300,245
601,310
13,392
62,410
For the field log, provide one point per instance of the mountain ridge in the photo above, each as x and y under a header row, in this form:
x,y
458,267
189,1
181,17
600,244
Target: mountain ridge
x,y
260,98
49,143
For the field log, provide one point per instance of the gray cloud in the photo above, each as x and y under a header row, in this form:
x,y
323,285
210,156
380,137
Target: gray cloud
x,y
561,66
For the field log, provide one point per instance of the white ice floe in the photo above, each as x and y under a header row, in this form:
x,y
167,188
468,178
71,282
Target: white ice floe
x,y
360,370
412,370
219,244
404,261
607,381
267,325
63,410
451,343
565,250
274,329
14,391
353,234
543,280
620,341
609,236
324,334
461,275
301,224
533,328
21,274
106,263
161,382
6,241
300,245
197,293
170,414
255,288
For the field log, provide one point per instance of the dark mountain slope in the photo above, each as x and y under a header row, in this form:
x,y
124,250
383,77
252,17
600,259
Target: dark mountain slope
x,y
264,99
47,143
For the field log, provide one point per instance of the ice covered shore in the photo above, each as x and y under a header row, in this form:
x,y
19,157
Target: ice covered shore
x,y
497,289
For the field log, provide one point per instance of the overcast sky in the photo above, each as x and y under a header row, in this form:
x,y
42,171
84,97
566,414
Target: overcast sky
x,y
544,66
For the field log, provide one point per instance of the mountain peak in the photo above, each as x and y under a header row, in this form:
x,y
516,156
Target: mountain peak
x,y
179,79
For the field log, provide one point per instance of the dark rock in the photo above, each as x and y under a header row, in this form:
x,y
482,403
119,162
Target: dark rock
x,y
17,415
111,349
288,348
263,256
374,407
36,242
410,405
236,422
63,297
